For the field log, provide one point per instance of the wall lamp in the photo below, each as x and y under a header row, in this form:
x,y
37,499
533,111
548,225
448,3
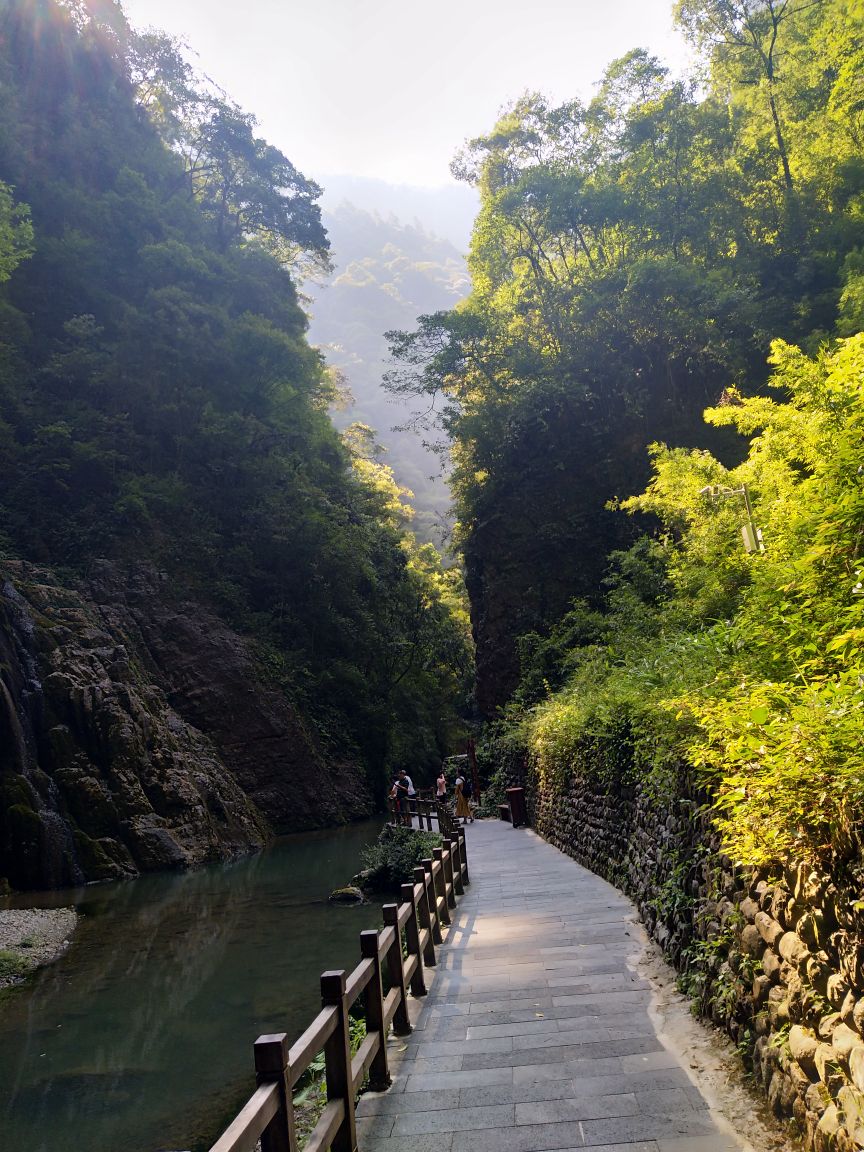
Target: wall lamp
x,y
751,535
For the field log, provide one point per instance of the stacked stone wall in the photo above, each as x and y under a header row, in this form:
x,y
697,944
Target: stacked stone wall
x,y
776,960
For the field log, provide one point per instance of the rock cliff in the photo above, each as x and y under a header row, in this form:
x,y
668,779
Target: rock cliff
x,y
136,734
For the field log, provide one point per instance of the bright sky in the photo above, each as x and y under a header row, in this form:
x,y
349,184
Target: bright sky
x,y
392,88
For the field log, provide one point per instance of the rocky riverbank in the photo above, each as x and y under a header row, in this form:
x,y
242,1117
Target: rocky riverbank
x,y
31,938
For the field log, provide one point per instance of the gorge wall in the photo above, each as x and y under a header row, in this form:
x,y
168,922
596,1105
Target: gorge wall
x,y
776,960
136,733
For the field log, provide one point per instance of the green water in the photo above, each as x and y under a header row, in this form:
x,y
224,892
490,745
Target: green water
x,y
140,1038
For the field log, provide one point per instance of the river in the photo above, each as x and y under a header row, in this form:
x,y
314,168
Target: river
x,y
140,1038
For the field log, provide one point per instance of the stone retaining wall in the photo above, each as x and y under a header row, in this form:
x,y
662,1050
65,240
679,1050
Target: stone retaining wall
x,y
777,961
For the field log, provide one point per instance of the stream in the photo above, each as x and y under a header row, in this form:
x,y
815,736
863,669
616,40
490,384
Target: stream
x,y
140,1037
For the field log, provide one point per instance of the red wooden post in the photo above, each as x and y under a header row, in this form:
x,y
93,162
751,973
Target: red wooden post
x,y
379,1072
271,1065
412,940
337,1058
401,1023
426,918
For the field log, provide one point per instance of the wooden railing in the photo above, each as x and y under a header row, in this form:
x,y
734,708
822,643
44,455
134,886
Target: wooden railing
x,y
424,910
429,814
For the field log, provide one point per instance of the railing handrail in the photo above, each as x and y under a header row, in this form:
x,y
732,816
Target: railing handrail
x,y
425,906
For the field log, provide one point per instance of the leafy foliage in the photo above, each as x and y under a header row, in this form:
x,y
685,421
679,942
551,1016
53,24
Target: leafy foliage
x,y
391,860
765,703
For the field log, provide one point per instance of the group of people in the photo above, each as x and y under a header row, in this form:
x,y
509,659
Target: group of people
x,y
462,789
403,791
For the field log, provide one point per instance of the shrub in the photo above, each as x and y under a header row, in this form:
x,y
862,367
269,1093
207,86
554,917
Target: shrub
x,y
391,860
12,965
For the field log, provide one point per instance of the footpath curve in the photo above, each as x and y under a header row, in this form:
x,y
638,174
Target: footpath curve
x,y
536,1032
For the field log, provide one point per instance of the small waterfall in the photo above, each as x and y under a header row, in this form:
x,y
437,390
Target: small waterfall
x,y
53,862
14,746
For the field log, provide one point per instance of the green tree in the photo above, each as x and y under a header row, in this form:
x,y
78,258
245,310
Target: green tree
x,y
746,37
16,233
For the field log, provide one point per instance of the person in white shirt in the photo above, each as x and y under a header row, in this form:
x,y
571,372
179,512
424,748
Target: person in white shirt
x,y
406,781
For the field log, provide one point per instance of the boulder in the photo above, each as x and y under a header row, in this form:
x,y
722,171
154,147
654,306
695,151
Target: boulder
x,y
347,895
844,1040
802,1048
768,928
792,948
856,1066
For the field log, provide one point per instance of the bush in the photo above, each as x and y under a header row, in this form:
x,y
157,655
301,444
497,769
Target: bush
x,y
391,860
12,965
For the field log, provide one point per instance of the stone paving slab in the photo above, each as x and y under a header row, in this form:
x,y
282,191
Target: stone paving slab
x,y
536,1034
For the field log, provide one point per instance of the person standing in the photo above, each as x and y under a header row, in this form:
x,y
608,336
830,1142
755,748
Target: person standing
x,y
410,793
463,812
400,797
441,785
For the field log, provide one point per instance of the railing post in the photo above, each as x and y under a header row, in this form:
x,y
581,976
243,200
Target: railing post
x,y
441,884
401,1023
271,1065
337,1059
429,815
463,851
412,939
433,903
379,1072
450,880
456,857
426,918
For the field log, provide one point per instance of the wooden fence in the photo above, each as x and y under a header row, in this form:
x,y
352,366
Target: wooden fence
x,y
424,910
428,814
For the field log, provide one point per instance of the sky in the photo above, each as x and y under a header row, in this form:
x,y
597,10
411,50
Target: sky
x,y
391,89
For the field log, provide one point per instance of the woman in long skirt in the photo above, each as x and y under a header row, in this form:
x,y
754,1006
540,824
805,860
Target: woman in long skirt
x,y
463,812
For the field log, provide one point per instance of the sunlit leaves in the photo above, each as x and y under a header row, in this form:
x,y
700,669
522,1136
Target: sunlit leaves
x,y
16,233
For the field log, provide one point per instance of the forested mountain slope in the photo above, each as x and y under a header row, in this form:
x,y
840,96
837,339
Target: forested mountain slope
x,y
386,275
446,211
633,258
161,409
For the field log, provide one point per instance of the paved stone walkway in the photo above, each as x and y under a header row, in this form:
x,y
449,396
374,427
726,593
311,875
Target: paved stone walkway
x,y
535,1033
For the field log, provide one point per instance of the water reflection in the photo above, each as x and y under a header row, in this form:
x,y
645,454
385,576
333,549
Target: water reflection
x,y
140,1038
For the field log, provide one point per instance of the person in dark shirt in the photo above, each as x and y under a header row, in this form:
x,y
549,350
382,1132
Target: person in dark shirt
x,y
400,796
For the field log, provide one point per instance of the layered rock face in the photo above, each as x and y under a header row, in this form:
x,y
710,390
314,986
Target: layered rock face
x,y
135,735
776,959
